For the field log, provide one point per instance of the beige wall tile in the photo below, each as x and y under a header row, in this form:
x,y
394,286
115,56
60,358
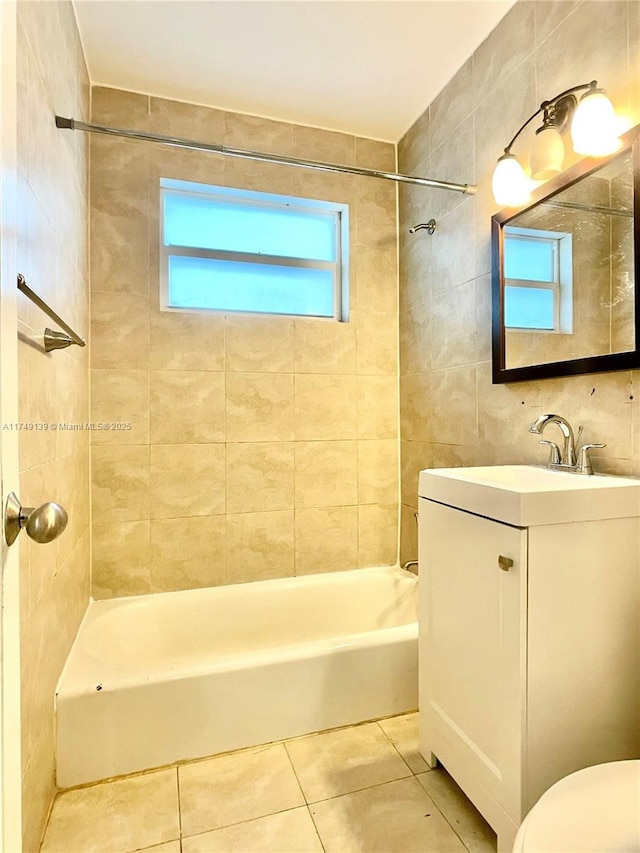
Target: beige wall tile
x,y
260,545
326,539
415,146
36,405
260,477
188,553
120,483
377,534
326,473
378,471
453,327
377,343
375,155
415,339
259,344
376,280
73,492
119,177
454,103
503,50
120,397
117,107
186,480
587,43
121,558
190,121
416,407
324,346
454,396
324,407
186,341
415,456
186,407
38,789
120,266
119,331
326,145
242,131
377,406
259,407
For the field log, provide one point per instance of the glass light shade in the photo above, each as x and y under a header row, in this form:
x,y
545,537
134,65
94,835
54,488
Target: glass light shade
x,y
547,154
510,185
594,125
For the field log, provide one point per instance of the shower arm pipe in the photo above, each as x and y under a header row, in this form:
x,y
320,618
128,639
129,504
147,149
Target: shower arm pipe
x,y
192,145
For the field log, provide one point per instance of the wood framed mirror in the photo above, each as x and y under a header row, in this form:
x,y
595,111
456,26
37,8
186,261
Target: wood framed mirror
x,y
565,272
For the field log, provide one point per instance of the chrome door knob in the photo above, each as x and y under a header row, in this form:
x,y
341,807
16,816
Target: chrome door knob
x,y
43,524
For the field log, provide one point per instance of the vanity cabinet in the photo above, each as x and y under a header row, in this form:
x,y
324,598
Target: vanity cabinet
x,y
529,650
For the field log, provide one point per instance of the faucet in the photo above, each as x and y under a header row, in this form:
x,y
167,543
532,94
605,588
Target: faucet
x,y
567,459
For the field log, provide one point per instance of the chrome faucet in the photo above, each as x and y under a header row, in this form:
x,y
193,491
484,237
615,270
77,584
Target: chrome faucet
x,y
566,459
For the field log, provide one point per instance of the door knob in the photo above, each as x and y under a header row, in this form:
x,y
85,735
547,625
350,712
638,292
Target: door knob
x,y
43,524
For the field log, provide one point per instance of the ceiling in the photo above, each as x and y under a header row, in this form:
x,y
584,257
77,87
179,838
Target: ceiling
x,y
367,67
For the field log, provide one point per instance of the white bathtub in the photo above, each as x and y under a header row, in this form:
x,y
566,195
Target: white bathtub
x,y
155,679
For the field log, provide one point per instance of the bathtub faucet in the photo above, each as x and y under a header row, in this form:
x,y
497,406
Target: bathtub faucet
x,y
409,566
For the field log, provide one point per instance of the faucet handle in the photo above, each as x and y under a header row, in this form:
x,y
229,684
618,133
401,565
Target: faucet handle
x,y
584,462
554,456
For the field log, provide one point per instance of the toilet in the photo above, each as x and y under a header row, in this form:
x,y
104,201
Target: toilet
x,y
595,810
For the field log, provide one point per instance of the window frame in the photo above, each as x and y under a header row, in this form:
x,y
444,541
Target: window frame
x,y
338,211
562,284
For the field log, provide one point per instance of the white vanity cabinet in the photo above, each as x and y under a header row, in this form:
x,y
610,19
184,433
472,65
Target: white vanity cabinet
x,y
529,636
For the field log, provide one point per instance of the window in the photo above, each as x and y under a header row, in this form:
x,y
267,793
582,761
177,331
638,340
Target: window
x,y
538,280
234,250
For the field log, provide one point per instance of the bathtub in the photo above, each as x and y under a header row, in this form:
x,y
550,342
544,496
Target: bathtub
x,y
155,679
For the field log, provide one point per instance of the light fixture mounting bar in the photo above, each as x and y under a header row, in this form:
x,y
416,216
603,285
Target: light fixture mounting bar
x,y
563,98
192,145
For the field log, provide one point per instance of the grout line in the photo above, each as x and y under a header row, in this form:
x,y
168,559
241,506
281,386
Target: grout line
x,y
315,826
304,796
242,822
396,749
365,788
179,806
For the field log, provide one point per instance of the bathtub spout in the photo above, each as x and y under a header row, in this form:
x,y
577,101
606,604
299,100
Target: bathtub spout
x,y
409,566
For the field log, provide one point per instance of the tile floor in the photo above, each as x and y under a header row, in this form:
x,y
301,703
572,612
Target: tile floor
x,y
362,788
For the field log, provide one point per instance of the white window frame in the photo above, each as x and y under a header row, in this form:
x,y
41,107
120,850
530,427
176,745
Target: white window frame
x,y
249,198
562,284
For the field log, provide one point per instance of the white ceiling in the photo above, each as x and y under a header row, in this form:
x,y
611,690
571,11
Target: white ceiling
x,y
368,67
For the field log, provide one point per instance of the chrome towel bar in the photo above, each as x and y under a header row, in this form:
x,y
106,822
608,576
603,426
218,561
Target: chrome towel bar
x,y
52,340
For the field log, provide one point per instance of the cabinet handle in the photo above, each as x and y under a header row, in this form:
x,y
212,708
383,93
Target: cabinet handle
x,y
505,563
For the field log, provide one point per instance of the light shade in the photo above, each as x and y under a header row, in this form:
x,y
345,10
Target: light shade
x,y
510,185
594,126
547,154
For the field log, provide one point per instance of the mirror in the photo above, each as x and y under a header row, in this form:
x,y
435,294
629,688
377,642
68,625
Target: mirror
x,y
564,276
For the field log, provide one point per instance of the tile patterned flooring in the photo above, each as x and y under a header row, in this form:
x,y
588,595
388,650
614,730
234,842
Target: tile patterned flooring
x,y
362,788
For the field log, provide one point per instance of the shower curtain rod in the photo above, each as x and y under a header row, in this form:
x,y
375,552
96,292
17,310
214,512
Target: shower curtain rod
x,y
178,142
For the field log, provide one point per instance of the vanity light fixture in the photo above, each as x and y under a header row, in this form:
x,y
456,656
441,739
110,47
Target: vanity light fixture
x,y
593,133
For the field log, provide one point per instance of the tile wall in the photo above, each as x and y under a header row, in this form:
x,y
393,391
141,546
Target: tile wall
x,y
260,447
451,414
53,389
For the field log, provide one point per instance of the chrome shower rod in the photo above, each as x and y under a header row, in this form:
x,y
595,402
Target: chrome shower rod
x,y
192,145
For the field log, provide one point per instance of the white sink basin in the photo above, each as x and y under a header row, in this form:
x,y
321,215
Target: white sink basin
x,y
527,495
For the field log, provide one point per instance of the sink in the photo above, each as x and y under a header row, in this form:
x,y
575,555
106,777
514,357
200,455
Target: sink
x,y
528,495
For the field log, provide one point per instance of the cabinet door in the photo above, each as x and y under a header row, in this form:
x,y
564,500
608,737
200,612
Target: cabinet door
x,y
472,617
